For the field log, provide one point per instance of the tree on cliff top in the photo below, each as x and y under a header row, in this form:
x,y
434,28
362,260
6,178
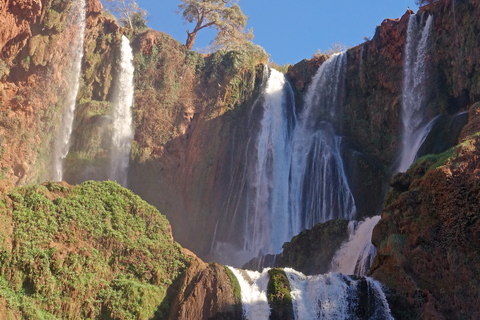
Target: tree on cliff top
x,y
129,11
223,15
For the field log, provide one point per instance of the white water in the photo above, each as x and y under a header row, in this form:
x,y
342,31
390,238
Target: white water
x,y
333,296
259,209
267,227
318,189
253,286
356,255
62,142
122,134
414,91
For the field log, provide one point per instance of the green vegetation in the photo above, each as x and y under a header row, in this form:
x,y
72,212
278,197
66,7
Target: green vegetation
x,y
90,251
55,20
236,290
335,48
434,161
139,23
224,16
26,63
235,284
278,295
170,80
93,129
283,68
4,70
237,72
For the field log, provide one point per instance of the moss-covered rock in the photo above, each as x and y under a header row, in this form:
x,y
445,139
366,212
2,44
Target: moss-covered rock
x,y
91,251
278,295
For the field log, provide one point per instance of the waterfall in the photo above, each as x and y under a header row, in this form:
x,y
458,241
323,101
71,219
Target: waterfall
x,y
414,91
318,189
257,201
267,225
292,175
253,286
357,254
329,296
122,134
62,141
336,296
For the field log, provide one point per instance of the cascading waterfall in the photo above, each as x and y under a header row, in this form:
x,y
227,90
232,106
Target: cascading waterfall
x,y
294,175
267,225
62,142
336,296
258,195
319,189
329,296
253,286
122,134
414,92
356,255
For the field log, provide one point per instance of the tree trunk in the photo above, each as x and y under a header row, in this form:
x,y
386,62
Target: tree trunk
x,y
130,22
191,39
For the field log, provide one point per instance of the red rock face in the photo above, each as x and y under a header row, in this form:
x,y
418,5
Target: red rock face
x,y
16,17
429,238
32,78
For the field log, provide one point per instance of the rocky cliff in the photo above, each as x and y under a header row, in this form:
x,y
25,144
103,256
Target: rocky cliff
x,y
34,76
191,110
428,245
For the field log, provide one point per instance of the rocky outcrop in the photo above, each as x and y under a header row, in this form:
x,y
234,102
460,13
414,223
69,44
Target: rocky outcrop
x,y
94,251
428,245
311,252
206,292
17,18
372,107
445,133
278,296
473,125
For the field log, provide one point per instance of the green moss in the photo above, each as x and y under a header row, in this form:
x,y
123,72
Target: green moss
x,y
4,70
278,295
55,17
131,299
94,250
26,63
431,162
236,290
235,284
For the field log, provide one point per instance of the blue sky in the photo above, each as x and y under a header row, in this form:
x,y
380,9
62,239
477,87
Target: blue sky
x,y
290,30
